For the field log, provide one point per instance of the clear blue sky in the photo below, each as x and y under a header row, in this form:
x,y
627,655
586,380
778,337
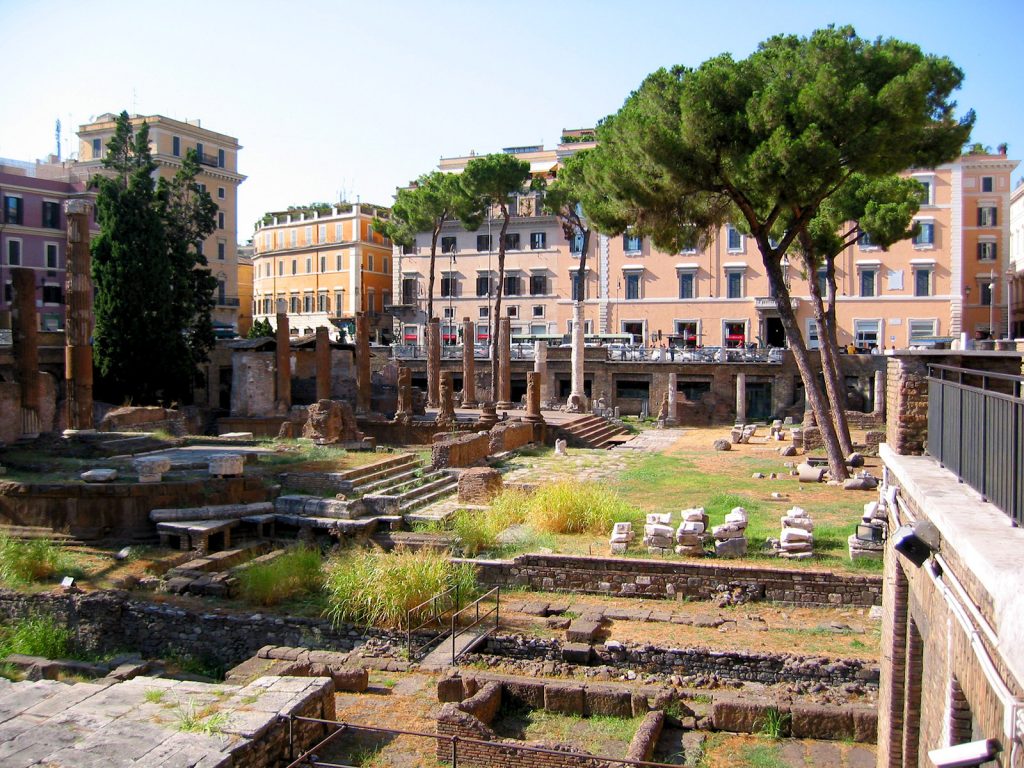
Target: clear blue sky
x,y
345,98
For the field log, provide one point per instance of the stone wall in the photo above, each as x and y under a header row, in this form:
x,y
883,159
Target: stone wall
x,y
802,720
459,449
508,436
253,383
10,408
678,580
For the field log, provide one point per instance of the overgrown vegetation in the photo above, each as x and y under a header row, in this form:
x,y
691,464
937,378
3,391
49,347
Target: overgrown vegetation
x,y
36,636
774,723
205,720
377,588
298,571
25,562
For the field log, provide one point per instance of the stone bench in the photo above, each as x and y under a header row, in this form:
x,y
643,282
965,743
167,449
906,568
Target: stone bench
x,y
195,534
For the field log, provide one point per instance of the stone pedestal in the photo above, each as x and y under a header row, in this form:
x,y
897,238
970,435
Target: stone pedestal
x,y
323,364
25,326
433,362
404,407
362,364
151,469
468,365
533,413
283,400
741,398
226,465
879,393
540,365
488,416
673,399
446,406
78,317
504,388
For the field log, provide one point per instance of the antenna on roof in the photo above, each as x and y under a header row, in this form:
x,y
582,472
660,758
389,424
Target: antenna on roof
x,y
58,139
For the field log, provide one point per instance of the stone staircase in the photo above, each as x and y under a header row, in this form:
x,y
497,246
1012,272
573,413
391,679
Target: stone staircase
x,y
353,483
592,431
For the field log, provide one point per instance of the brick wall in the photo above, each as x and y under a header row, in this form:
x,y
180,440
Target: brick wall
x,y
508,436
906,402
459,450
678,580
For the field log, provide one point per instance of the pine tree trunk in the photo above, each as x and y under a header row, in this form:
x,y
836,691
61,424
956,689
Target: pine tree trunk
x,y
578,355
430,274
497,304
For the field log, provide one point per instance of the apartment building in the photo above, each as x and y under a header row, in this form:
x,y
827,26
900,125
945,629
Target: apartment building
x,y
218,160
943,283
33,230
322,266
1015,269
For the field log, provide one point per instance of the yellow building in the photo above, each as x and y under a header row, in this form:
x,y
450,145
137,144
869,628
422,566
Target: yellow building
x,y
322,265
169,140
245,271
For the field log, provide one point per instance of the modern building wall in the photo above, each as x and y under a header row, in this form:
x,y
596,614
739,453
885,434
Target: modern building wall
x,y
325,266
1016,260
218,158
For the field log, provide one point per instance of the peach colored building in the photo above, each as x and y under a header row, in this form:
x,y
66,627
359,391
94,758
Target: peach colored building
x,y
323,265
1016,263
218,158
936,286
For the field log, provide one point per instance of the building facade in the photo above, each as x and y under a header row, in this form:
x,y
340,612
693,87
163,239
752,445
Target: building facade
x,y
1016,262
943,283
218,161
322,266
33,231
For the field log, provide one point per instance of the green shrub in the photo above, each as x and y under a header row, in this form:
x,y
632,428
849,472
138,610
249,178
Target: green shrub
x,y
24,562
297,571
569,506
36,636
774,723
377,588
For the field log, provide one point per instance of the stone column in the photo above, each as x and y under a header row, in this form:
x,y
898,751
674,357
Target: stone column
x,y
363,402
25,324
504,389
741,398
879,393
283,401
673,397
540,365
533,413
433,340
78,317
468,365
323,364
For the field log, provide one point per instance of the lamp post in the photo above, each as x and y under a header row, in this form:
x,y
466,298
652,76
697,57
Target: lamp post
x,y
451,295
1009,317
992,310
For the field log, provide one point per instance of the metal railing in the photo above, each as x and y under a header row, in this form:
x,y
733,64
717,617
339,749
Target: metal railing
x,y
976,430
456,630
502,749
615,353
440,605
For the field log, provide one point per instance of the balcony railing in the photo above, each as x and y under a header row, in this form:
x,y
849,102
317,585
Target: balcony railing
x,y
770,303
976,430
210,160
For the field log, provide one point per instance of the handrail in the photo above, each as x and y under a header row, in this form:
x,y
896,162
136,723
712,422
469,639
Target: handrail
x,y
435,618
496,591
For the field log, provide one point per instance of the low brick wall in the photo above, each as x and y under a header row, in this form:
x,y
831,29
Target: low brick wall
x,y
508,436
460,450
678,580
801,720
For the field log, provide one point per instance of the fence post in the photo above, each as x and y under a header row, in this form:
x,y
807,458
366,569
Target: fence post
x,y
455,752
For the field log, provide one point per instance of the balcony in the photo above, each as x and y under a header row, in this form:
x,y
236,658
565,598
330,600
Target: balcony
x,y
210,160
771,304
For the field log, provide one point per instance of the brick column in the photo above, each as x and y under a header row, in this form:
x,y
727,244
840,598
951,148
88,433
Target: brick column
x,y
323,364
78,318
533,413
741,398
433,340
504,389
468,365
906,405
25,325
892,681
363,402
283,402
879,393
912,698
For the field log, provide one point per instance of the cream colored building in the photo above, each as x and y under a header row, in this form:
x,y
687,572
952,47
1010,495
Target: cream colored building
x,y
944,283
1016,264
218,159
323,266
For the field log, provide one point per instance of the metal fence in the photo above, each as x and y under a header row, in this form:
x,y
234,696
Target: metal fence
x,y
976,430
616,353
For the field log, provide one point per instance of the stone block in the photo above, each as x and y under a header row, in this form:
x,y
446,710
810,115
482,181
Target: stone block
x,y
690,527
659,518
226,465
722,445
731,547
582,631
576,653
618,547
563,699
479,485
661,542
821,721
99,476
658,529
525,693
607,701
738,715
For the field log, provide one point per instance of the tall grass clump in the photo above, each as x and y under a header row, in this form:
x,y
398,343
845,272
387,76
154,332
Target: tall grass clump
x,y
298,571
569,506
478,530
24,562
376,588
36,636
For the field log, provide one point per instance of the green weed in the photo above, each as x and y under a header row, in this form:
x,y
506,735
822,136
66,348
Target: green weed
x,y
24,562
154,695
36,636
192,720
761,756
774,723
297,571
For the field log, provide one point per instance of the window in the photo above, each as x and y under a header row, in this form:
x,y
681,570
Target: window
x,y
52,294
448,245
926,193
199,247
735,334
734,285
538,285
220,193
199,150
813,342
823,282
483,333
512,241
408,290
384,266
867,282
865,242
920,329
987,216
483,285
12,210
51,215
295,267
631,243
987,251
323,302
337,262
688,332
309,265
867,333
512,285
307,302
51,256
734,238
294,305
308,233
632,285
686,285
221,249
538,311
579,285
925,233
922,282
176,146
484,312
337,239
576,246
538,241
96,148
280,268
369,262
513,310
483,243
448,313
986,294
987,183
339,301
449,286
220,158
294,237
323,264
221,293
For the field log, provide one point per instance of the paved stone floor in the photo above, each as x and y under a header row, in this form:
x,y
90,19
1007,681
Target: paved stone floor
x,y
140,722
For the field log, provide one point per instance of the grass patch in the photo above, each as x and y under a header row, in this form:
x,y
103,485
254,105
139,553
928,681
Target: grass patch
x,y
377,588
774,724
298,571
569,506
207,720
36,636
761,756
154,695
25,562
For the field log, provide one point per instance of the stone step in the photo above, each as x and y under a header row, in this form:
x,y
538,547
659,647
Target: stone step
x,y
33,533
369,472
389,481
429,498
314,506
211,512
438,542
428,480
220,561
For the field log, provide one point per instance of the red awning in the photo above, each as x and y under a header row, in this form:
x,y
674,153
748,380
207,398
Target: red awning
x,y
483,336
410,337
735,337
449,337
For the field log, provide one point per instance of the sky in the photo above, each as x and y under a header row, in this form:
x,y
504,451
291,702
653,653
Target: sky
x,y
346,100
